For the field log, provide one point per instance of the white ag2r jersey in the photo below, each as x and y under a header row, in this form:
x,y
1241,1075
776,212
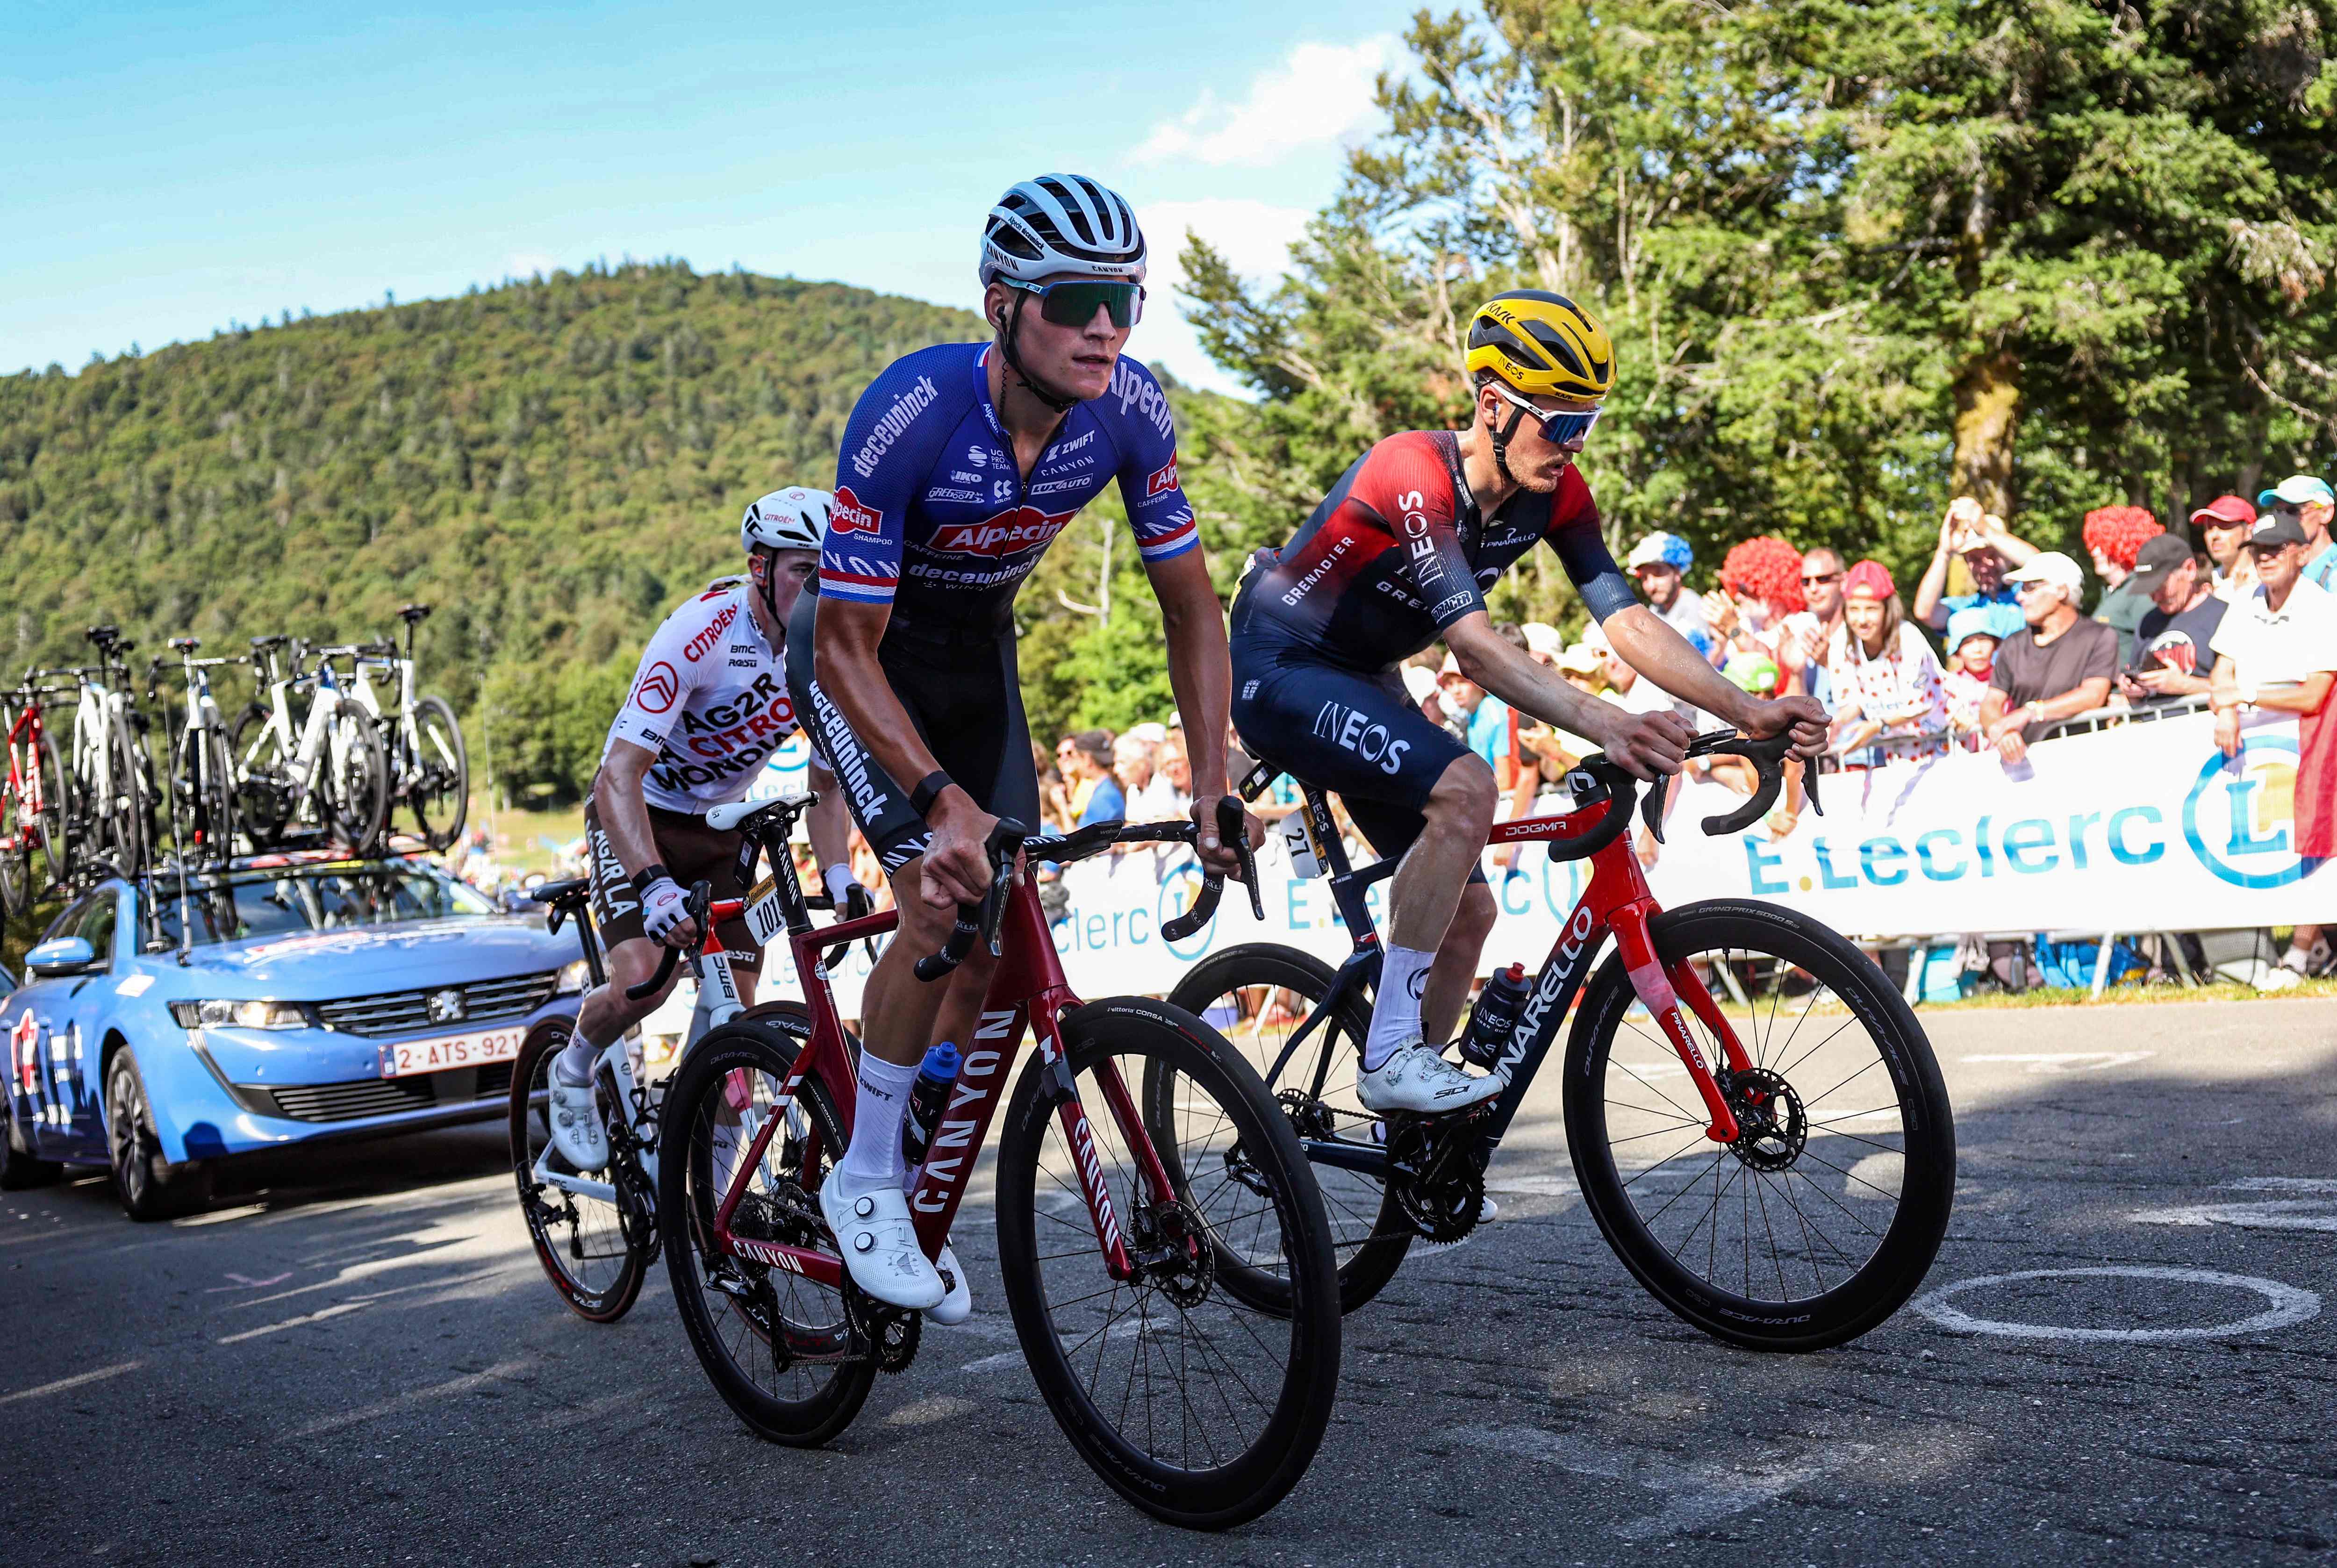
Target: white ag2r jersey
x,y
710,699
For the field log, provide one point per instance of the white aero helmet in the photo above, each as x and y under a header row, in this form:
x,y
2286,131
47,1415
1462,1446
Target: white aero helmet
x,y
1061,223
795,518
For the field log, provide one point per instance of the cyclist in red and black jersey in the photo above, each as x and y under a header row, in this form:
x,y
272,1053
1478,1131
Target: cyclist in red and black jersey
x,y
1397,555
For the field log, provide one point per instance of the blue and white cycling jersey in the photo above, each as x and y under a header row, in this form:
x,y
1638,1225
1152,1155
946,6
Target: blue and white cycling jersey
x,y
932,515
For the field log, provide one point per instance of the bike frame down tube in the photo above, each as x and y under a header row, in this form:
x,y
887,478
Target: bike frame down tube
x,y
1027,990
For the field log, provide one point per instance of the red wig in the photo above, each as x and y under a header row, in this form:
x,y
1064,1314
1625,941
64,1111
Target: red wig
x,y
1768,569
2120,533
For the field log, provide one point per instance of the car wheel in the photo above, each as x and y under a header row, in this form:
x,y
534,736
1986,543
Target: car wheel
x,y
149,1186
19,1170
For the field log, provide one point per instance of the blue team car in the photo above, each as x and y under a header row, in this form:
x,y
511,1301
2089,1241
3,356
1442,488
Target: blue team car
x,y
304,999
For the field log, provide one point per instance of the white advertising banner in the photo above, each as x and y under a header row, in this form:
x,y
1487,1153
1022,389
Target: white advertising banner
x,y
2144,828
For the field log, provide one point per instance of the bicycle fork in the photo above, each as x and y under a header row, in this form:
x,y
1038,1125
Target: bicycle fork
x,y
1662,988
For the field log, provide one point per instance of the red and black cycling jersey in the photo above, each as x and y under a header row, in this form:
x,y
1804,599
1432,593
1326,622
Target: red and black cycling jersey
x,y
1398,551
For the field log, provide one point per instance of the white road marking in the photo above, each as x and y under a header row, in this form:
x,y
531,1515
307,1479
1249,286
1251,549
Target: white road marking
x,y
1695,1494
2298,1213
2287,1306
2068,1061
305,1318
390,1406
75,1381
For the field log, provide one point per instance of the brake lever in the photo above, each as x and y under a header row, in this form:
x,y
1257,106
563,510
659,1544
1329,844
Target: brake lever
x,y
1768,759
1232,824
1003,845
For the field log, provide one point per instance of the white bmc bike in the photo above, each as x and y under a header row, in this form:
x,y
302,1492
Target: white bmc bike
x,y
429,772
112,793
596,1233
325,775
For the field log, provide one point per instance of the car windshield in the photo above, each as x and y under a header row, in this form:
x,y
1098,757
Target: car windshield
x,y
292,900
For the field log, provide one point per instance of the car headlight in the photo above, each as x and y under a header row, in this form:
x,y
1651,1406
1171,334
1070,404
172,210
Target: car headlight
x,y
240,1015
575,977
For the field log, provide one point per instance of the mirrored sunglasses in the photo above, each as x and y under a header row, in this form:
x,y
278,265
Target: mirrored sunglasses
x,y
1559,429
1075,303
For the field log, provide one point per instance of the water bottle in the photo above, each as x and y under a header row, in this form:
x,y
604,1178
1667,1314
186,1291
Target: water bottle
x,y
928,1097
1495,1014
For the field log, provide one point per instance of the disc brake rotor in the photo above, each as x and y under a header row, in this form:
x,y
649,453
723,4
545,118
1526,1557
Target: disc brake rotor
x,y
1772,1126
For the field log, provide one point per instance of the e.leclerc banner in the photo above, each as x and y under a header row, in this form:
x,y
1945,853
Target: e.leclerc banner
x,y
2143,827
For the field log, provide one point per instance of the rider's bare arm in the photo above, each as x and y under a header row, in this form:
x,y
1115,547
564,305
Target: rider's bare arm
x,y
625,816
830,828
1648,644
1198,672
1642,744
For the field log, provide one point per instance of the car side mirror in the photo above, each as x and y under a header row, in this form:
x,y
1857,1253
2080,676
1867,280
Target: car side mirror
x,y
60,956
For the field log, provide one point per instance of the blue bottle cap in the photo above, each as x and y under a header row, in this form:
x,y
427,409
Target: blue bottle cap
x,y
941,1061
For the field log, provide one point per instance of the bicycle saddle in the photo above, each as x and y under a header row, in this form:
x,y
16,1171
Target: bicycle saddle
x,y
262,644
568,891
730,814
410,613
103,635
185,644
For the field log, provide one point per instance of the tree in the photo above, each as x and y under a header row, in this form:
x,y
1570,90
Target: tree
x,y
1853,256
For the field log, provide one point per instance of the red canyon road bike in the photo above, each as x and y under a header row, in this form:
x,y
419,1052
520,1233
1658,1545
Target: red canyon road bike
x,y
1755,1117
1195,1377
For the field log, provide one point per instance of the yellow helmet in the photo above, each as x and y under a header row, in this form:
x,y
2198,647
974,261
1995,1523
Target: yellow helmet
x,y
1540,342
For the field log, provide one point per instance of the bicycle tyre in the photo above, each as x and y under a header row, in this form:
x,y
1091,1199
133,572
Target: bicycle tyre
x,y
438,789
262,792
764,1047
16,859
1369,1232
356,784
595,1296
124,815
56,819
1268,1464
1896,1264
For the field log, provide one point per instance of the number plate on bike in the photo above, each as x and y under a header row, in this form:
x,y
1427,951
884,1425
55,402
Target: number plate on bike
x,y
450,1051
765,918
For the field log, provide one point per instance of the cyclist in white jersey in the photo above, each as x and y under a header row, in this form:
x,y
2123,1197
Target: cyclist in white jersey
x,y
708,706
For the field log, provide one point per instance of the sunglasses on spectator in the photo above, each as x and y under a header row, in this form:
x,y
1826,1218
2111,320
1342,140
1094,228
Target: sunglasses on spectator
x,y
1822,579
1074,304
2032,584
1559,429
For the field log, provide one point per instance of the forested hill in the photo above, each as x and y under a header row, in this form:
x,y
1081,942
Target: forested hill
x,y
552,463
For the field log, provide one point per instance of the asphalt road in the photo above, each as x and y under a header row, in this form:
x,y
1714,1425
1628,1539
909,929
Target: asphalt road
x,y
360,1363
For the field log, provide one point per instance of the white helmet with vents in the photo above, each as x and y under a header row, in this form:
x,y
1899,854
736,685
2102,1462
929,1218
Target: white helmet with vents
x,y
1061,223
795,518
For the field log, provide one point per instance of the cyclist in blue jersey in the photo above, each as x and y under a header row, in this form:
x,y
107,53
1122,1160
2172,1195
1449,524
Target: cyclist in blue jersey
x,y
1400,554
959,466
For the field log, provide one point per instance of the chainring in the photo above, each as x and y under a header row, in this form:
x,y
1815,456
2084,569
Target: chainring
x,y
1435,1174
890,1334
1772,1126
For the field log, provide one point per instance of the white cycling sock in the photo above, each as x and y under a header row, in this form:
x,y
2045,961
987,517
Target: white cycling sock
x,y
574,1064
873,1160
1395,1016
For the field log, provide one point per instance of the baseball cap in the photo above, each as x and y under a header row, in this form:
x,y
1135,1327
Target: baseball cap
x,y
1660,550
1871,578
1544,639
1972,620
2298,490
1581,658
2272,531
1420,683
2224,511
2157,558
1151,734
2051,566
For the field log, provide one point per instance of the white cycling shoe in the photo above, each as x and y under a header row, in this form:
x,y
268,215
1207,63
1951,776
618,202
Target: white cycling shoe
x,y
574,1118
1414,1078
958,1305
879,1244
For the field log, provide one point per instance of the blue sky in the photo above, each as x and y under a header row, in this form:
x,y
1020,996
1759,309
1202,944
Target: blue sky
x,y
177,166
